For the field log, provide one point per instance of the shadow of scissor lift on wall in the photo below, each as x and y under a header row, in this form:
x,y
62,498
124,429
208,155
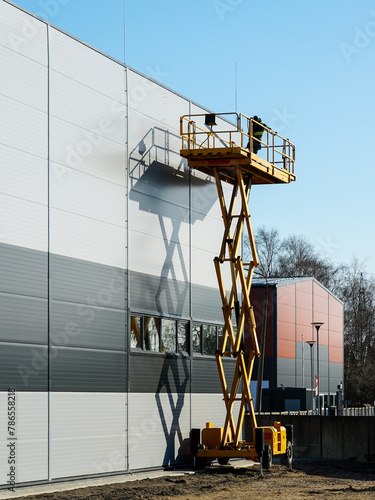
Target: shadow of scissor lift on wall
x,y
175,196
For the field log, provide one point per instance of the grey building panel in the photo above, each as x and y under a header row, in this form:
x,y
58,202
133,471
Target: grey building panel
x,y
205,376
87,283
23,271
86,370
159,295
336,376
77,325
206,304
286,372
159,373
23,367
23,319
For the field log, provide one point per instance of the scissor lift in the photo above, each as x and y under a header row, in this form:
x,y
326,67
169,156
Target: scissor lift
x,y
224,151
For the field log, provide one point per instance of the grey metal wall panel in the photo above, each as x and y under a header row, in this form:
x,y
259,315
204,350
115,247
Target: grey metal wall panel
x,y
286,372
205,376
159,374
336,376
94,370
87,283
23,367
23,319
158,295
77,325
206,304
23,271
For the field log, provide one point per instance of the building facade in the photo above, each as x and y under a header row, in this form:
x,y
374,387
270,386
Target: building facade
x,y
109,309
292,305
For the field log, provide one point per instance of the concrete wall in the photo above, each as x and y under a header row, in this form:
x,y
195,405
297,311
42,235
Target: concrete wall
x,y
327,437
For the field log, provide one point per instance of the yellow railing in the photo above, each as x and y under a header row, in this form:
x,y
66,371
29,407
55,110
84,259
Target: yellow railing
x,y
201,131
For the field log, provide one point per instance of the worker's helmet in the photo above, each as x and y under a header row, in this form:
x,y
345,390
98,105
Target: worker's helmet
x,y
255,118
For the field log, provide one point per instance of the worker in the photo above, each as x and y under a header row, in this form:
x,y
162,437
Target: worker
x,y
258,129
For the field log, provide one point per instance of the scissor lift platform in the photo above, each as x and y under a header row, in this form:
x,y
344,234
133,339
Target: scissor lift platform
x,y
222,154
223,147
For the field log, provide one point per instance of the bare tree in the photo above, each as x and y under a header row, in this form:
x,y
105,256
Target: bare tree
x,y
268,247
299,258
358,294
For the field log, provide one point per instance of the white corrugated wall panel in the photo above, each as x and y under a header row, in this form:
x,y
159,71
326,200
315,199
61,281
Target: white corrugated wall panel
x,y
157,257
23,127
161,143
153,100
87,239
158,427
23,175
87,433
87,66
171,224
88,109
29,79
31,450
209,408
23,223
23,33
77,148
90,197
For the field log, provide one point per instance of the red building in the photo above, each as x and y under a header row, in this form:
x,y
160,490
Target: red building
x,y
292,305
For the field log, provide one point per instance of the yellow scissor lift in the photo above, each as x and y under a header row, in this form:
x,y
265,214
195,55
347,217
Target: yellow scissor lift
x,y
224,150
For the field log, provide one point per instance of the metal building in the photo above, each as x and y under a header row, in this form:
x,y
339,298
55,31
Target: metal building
x,y
291,363
109,309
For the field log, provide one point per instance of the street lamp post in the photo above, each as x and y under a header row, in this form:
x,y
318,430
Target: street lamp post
x,y
317,325
311,343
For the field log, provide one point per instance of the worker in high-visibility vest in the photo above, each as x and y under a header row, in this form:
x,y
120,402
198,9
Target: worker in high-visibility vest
x,y
258,129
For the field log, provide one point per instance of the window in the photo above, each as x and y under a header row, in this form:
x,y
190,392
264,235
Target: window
x,y
209,339
197,338
151,329
169,336
149,333
182,336
135,332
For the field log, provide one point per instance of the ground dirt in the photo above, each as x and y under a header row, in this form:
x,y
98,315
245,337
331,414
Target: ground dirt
x,y
308,479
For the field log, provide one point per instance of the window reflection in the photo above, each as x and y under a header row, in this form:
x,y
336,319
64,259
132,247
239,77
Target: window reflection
x,y
168,335
151,330
209,339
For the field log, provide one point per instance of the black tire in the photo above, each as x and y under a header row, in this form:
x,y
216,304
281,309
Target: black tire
x,y
267,457
199,462
287,457
223,460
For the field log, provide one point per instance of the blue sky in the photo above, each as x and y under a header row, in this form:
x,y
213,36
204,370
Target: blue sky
x,y
306,67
